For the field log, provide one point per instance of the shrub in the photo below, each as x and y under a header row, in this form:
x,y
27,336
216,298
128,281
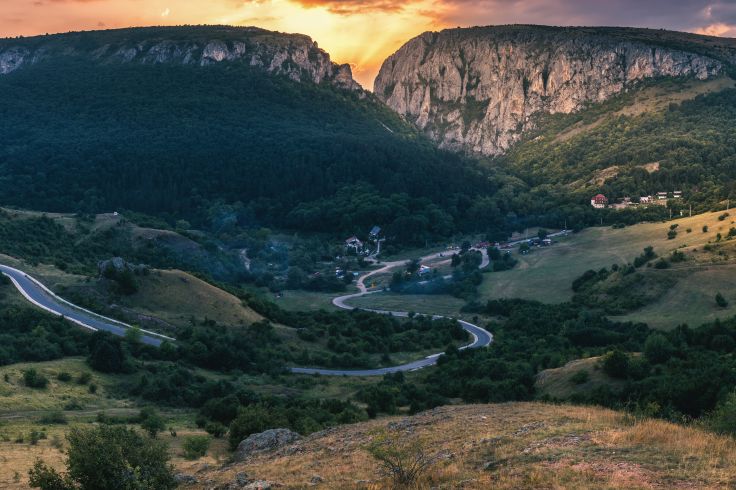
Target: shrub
x,y
34,379
196,446
722,216
671,234
55,417
721,301
401,458
723,418
658,349
151,421
251,420
580,377
64,376
661,264
84,378
705,228
616,364
108,457
216,429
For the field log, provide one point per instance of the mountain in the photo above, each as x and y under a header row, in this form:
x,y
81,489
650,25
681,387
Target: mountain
x,y
478,90
182,122
293,55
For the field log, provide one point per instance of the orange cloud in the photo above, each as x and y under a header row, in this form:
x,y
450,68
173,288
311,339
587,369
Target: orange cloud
x,y
350,7
718,29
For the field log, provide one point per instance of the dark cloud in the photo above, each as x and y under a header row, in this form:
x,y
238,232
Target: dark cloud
x,y
669,14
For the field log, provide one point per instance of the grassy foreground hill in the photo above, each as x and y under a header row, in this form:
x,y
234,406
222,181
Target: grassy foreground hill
x,y
507,446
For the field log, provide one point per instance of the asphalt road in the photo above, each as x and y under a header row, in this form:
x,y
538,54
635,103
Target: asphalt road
x,y
40,296
481,337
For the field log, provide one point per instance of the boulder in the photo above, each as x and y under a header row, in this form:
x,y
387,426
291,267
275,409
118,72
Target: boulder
x,y
264,441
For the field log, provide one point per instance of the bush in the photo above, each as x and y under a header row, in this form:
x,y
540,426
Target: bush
x,y
64,376
580,377
196,447
705,228
616,364
721,301
252,420
401,458
723,418
661,264
151,421
110,458
56,417
671,234
84,378
34,379
658,349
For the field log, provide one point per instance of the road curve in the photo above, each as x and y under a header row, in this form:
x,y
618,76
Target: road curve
x,y
42,297
481,337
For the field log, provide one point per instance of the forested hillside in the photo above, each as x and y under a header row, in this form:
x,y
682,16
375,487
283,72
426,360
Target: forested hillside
x,y
173,140
638,144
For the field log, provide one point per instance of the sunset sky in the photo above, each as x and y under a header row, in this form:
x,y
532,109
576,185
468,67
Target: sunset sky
x,y
363,32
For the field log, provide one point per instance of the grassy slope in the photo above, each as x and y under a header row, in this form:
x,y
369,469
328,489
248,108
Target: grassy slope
x,y
556,383
523,445
176,297
547,274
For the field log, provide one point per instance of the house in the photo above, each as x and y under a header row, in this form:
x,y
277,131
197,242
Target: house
x,y
645,199
424,270
599,201
677,194
375,233
661,196
354,244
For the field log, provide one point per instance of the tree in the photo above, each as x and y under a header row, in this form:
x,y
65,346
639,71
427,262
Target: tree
x,y
151,421
195,446
251,420
658,348
106,353
110,458
616,364
542,233
721,301
34,379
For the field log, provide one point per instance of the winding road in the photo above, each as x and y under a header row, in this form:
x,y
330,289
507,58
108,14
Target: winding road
x,y
38,294
41,296
481,337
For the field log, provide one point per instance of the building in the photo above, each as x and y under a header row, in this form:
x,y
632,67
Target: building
x,y
354,244
599,201
661,196
375,233
424,270
677,194
645,199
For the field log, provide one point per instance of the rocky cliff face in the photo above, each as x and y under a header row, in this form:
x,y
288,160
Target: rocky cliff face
x,y
293,55
478,89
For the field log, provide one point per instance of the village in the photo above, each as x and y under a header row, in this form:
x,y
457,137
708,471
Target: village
x,y
600,201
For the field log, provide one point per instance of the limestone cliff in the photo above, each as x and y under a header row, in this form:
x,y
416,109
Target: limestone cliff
x,y
478,89
293,55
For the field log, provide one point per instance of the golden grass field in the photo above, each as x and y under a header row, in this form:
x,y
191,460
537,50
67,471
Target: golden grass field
x,y
505,446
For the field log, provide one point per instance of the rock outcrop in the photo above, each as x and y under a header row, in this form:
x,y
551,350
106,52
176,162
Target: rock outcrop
x,y
264,441
477,90
293,55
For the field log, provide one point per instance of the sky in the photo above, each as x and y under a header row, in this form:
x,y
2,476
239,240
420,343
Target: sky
x,y
363,32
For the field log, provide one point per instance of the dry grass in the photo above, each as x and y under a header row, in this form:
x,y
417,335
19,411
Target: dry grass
x,y
176,297
557,383
507,446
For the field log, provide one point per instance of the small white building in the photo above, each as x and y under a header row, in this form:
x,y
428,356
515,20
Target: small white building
x,y
354,244
599,201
